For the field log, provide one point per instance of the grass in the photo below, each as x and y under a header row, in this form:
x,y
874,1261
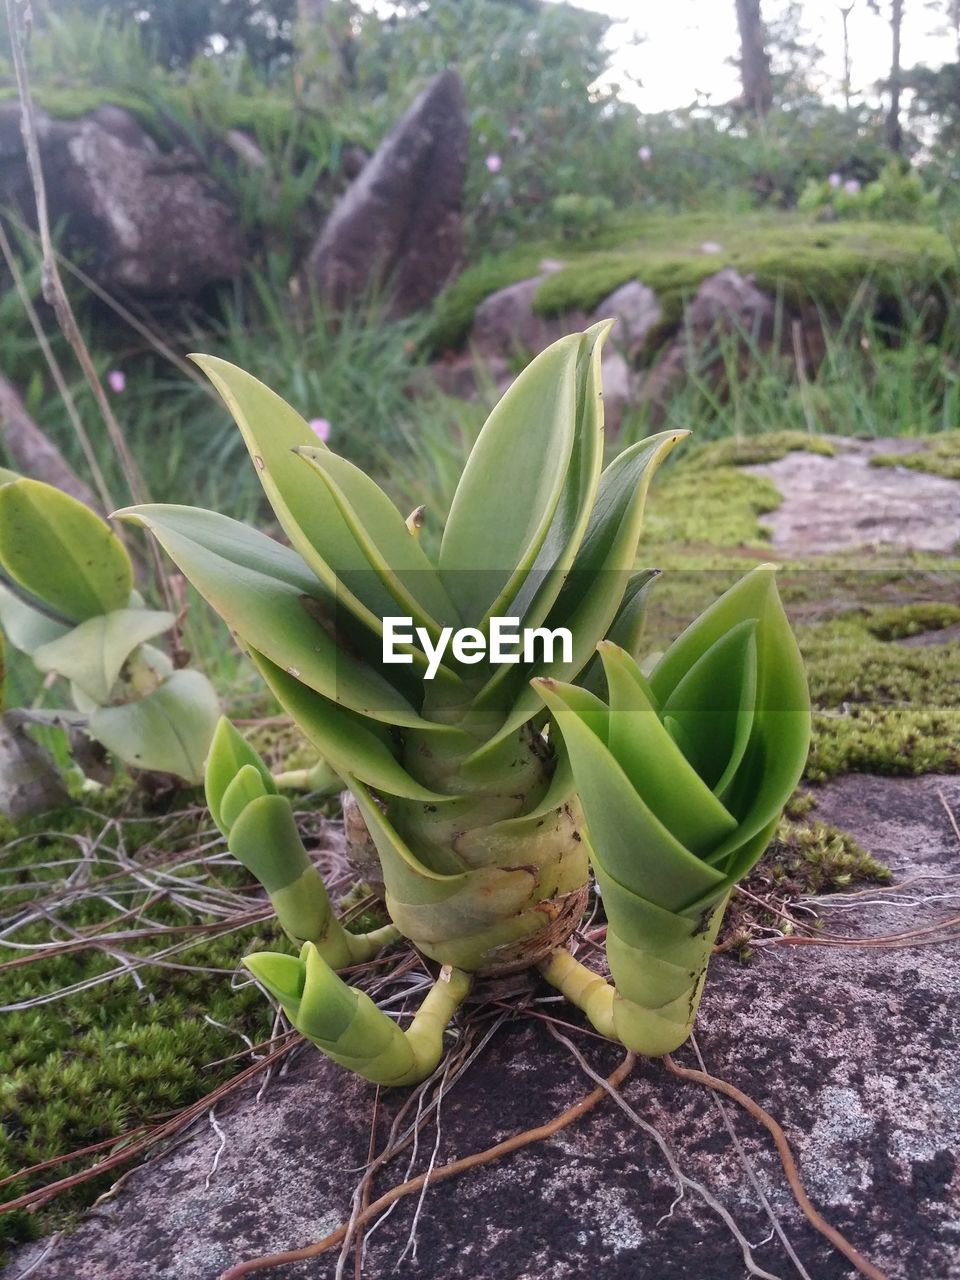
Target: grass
x,y
789,255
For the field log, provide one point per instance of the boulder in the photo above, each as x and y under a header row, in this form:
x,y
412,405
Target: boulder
x,y
854,1051
400,222
140,221
726,305
636,313
505,323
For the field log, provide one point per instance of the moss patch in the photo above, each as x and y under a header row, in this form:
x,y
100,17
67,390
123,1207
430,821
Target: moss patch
x,y
807,857
101,1060
940,455
787,254
747,451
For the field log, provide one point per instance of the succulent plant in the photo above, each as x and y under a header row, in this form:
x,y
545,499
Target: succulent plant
x,y
67,599
472,775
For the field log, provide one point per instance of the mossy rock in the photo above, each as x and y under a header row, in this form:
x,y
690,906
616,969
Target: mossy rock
x,y
940,455
796,259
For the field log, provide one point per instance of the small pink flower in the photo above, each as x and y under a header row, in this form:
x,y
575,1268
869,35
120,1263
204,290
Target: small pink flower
x,y
494,163
645,154
835,180
320,427
117,381
516,134
851,186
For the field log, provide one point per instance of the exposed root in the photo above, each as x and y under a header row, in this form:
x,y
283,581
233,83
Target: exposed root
x,y
683,1180
839,1242
450,1170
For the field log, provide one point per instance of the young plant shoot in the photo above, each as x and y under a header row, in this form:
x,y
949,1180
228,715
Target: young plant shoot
x,y
67,600
490,788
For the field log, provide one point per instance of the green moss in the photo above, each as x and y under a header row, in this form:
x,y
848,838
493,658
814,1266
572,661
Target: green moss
x,y
746,451
96,1062
940,455
719,509
807,857
890,740
900,622
788,255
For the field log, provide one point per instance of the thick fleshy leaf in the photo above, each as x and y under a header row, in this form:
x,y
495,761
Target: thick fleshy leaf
x,y
381,532
273,433
509,491
537,593
169,731
348,742
61,552
777,752
92,655
713,705
592,593
654,763
269,597
27,628
627,838
229,753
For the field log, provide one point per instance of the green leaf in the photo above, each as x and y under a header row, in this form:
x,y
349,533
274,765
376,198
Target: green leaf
x,y
229,753
27,628
61,552
628,840
270,598
653,762
168,731
712,707
92,655
348,742
381,532
538,592
273,433
509,491
591,596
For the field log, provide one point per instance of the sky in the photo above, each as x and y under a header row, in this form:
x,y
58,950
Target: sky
x,y
688,43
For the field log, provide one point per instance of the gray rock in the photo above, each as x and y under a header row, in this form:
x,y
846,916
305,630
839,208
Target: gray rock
x,y
636,311
505,323
618,384
141,222
400,222
727,304
830,504
853,1050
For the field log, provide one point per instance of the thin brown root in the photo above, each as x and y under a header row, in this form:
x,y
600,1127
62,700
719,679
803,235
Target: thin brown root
x,y
450,1170
839,1242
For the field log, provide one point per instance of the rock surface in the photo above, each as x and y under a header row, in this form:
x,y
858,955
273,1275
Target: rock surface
x,y
636,313
141,222
505,324
854,1051
400,222
832,504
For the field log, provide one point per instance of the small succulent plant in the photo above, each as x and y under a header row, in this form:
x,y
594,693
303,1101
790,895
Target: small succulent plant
x,y
67,599
490,788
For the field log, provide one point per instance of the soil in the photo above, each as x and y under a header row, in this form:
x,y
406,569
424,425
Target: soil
x,y
853,1049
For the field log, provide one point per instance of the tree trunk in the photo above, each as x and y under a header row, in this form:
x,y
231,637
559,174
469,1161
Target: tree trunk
x,y
847,66
754,58
32,453
893,130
